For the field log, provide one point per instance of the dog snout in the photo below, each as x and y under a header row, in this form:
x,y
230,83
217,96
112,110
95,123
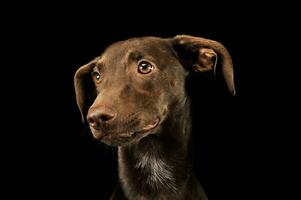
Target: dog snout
x,y
99,116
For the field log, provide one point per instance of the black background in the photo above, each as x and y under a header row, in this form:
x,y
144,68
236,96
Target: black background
x,y
48,152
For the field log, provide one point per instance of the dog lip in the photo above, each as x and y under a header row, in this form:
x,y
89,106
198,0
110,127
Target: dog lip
x,y
147,128
151,126
94,127
99,135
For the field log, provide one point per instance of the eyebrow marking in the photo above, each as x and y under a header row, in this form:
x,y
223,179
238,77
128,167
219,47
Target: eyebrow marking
x,y
134,55
98,65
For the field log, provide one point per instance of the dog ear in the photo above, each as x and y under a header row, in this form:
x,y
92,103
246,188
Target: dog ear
x,y
84,88
202,55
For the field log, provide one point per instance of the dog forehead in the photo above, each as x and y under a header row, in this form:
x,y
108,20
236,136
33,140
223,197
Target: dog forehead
x,y
148,45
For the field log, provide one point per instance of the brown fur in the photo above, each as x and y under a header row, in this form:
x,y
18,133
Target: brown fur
x,y
147,116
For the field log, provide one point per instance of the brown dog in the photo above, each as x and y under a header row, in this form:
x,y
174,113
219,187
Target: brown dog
x,y
133,97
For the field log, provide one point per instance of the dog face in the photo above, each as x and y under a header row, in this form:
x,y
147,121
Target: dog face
x,y
127,93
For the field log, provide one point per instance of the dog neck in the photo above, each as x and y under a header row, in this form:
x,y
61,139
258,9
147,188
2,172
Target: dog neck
x,y
159,164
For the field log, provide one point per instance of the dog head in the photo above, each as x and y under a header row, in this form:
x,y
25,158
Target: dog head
x,y
126,93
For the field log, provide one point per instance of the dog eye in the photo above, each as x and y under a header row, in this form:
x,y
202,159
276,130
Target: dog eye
x,y
96,77
145,67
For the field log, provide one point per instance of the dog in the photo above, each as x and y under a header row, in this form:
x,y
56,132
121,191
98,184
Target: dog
x,y
133,97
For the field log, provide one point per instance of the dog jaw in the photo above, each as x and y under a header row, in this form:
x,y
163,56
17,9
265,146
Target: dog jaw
x,y
126,137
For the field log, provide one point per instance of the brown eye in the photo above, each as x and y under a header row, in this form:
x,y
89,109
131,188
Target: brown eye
x,y
145,67
96,77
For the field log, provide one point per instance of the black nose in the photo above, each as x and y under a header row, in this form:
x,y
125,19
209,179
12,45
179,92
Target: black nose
x,y
99,116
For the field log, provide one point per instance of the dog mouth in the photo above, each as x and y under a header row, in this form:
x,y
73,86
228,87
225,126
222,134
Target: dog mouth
x,y
126,137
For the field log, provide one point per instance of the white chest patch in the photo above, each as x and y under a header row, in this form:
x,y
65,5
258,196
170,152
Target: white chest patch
x,y
158,173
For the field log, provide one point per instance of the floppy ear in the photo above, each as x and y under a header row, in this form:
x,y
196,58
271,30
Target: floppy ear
x,y
84,88
202,55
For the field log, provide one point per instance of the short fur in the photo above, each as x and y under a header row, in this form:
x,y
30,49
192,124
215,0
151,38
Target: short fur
x,y
147,116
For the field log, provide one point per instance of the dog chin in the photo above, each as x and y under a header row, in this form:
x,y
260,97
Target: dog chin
x,y
127,138
120,140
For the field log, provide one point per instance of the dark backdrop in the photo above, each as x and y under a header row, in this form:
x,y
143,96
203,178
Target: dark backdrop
x,y
49,152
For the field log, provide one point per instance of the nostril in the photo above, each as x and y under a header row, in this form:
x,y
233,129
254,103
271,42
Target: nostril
x,y
106,117
92,122
99,117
